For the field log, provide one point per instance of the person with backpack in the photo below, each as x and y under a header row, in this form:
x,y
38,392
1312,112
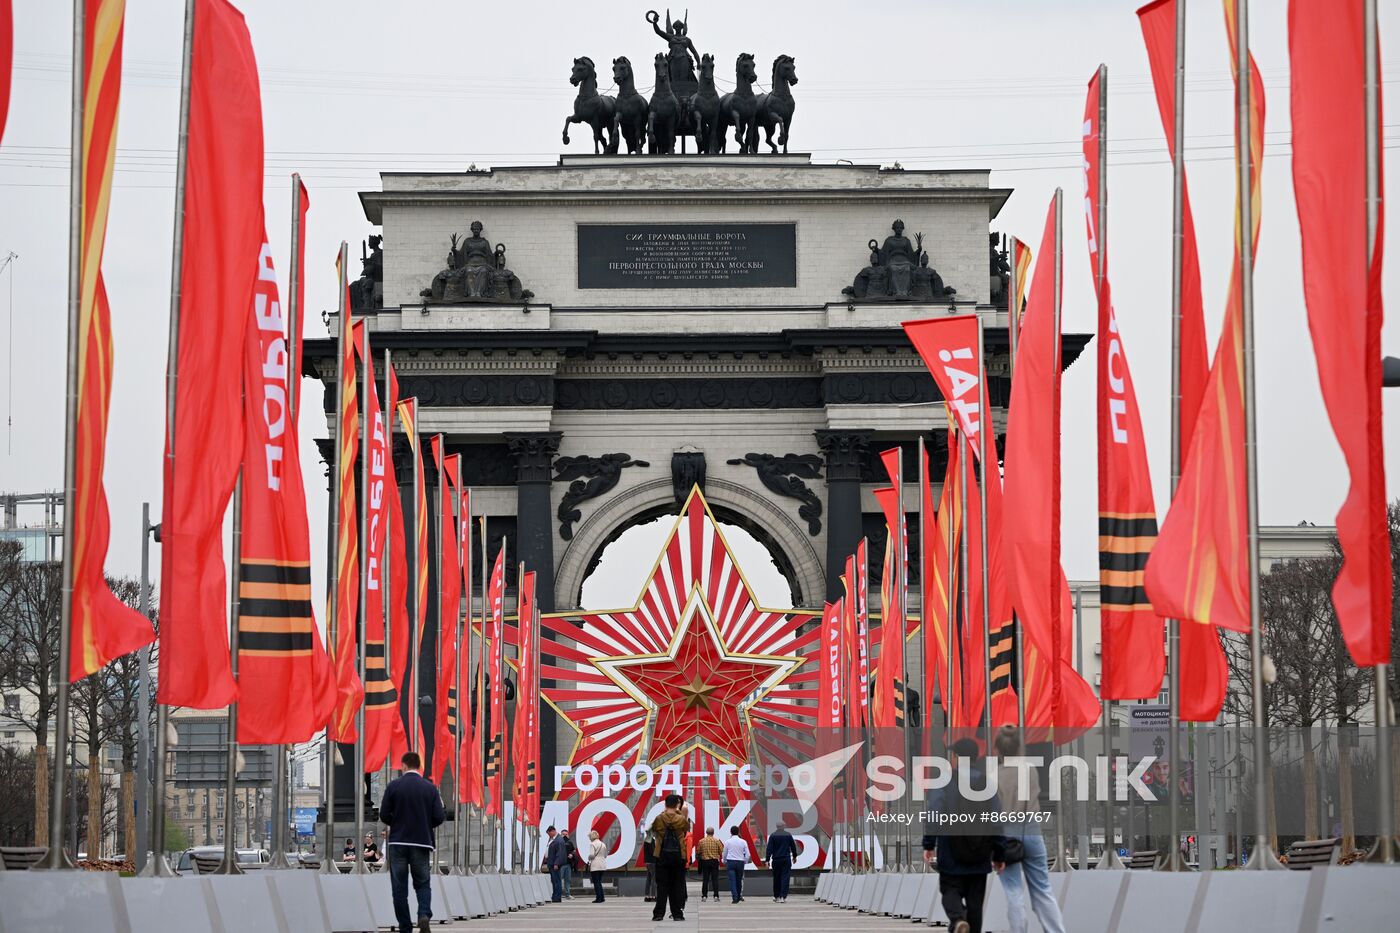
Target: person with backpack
x,y
968,850
781,851
1027,871
672,831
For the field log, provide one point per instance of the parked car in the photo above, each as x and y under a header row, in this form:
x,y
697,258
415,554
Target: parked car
x,y
247,858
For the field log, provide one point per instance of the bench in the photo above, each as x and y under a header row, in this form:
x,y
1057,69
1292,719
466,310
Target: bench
x,y
1143,861
209,865
21,858
1308,853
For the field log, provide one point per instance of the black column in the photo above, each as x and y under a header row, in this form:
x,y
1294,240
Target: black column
x,y
844,451
534,534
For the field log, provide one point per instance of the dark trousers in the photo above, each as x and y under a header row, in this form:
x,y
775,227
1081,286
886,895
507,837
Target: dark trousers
x,y
670,888
597,878
782,874
556,883
709,877
403,862
735,867
963,896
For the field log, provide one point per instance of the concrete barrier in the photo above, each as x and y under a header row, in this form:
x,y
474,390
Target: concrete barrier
x,y
873,892
1159,901
889,895
1353,897
1251,900
1091,899
247,903
925,894
71,900
347,903
176,905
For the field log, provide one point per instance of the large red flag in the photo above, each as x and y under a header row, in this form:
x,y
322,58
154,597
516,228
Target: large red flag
x,y
1199,570
398,592
381,700
469,773
862,628
7,53
1057,696
104,627
278,665
496,747
890,674
829,671
223,235
1133,658
449,610
939,579
474,762
524,752
349,691
1326,44
850,645
1202,672
408,416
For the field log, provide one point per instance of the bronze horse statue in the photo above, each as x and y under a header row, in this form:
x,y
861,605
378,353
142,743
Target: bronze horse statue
x,y
592,108
630,109
700,112
663,111
776,107
739,107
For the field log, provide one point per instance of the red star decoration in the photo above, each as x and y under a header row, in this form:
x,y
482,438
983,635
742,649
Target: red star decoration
x,y
697,693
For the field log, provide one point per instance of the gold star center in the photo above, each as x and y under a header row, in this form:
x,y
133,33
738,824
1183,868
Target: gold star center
x,y
697,693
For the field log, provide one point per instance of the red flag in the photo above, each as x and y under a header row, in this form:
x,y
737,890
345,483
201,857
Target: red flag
x,y
937,580
1199,570
398,575
104,627
526,737
829,674
449,611
468,774
495,750
1202,672
850,645
1021,257
1326,44
223,235
408,415
863,660
278,666
7,54
1058,697
349,690
1132,638
474,763
890,674
948,347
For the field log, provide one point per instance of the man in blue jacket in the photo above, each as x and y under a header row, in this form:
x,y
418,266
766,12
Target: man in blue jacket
x,y
779,855
555,854
969,851
412,808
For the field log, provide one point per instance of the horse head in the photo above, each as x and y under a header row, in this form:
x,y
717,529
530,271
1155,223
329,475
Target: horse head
x,y
663,70
622,70
744,69
784,70
583,71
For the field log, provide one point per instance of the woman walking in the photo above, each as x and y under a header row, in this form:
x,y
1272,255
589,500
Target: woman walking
x,y
597,855
1030,874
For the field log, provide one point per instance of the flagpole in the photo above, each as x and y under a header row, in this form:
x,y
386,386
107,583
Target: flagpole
x,y
459,842
1013,312
505,756
143,700
982,429
901,597
1384,849
385,562
1263,857
229,865
415,636
158,867
279,780
56,857
500,674
954,442
343,323
481,717
439,457
362,617
464,706
924,481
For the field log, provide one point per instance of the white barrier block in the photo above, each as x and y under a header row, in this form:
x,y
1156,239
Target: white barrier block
x,y
1059,883
299,895
1159,901
471,893
1091,899
925,893
347,903
836,893
823,880
61,900
851,893
246,904
862,891
176,905
1352,897
1252,900
491,893
381,899
890,894
448,901
872,893
995,916
936,913
907,894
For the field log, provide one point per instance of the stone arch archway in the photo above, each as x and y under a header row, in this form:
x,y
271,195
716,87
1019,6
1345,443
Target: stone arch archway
x,y
789,544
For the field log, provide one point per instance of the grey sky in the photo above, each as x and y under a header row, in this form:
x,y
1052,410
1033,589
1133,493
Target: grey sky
x,y
354,87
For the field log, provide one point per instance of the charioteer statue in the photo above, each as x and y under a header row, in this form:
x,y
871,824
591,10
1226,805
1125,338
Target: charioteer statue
x,y
475,272
898,271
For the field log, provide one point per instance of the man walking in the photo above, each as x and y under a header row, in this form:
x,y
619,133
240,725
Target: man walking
x,y
554,856
781,851
566,871
708,853
672,831
412,808
965,855
736,856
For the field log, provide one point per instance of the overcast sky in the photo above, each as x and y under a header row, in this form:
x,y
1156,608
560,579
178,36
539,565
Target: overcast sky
x,y
352,88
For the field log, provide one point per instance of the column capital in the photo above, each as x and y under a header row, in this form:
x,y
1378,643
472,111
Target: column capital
x,y
843,451
534,453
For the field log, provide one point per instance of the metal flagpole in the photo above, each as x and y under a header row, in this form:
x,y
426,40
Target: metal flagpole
x,y
415,633
964,559
481,718
1384,849
1058,864
279,781
143,701
925,610
1263,857
459,842
1013,312
437,651
900,614
56,858
500,674
362,617
464,705
982,428
1081,811
229,865
158,867
505,751
343,324
387,595
954,443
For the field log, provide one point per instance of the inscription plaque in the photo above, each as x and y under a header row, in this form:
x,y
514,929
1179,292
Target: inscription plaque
x,y
696,255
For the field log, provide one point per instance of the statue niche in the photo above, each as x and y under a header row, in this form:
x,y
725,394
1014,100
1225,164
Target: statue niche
x,y
475,273
898,271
